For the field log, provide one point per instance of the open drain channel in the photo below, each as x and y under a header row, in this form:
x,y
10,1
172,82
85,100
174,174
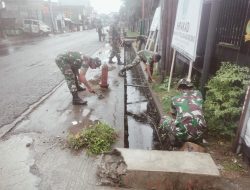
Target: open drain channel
x,y
139,119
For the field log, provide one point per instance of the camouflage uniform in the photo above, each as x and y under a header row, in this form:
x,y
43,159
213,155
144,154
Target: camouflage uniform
x,y
115,43
100,33
189,124
145,56
69,64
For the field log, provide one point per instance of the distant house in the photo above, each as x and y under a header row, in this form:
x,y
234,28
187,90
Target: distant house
x,y
15,11
69,17
61,16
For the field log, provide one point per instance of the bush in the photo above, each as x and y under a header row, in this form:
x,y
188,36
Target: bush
x,y
97,139
224,99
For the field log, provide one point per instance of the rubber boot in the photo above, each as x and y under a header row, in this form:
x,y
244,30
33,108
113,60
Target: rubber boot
x,y
76,100
79,88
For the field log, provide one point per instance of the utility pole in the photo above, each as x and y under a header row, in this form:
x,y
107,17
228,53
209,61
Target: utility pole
x,y
2,7
210,44
143,17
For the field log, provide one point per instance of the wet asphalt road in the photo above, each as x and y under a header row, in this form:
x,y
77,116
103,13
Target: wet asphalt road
x,y
28,70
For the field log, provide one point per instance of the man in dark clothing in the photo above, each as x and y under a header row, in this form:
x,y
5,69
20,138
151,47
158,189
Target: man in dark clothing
x,y
100,31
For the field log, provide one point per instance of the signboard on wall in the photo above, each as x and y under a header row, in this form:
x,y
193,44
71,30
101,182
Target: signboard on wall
x,y
187,25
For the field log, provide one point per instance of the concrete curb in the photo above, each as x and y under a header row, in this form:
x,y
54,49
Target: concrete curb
x,y
158,169
156,100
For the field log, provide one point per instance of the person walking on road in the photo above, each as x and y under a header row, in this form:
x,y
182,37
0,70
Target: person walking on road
x,y
74,66
115,43
100,31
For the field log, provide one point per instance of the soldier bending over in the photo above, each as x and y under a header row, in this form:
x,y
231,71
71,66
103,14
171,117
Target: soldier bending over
x,y
147,57
74,66
187,122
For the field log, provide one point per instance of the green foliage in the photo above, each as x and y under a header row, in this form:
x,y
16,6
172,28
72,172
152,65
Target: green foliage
x,y
232,166
132,34
225,97
97,139
165,96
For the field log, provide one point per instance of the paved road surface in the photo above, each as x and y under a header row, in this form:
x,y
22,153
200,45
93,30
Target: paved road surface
x,y
28,71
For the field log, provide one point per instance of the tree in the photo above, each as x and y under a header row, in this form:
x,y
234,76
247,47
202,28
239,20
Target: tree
x,y
131,12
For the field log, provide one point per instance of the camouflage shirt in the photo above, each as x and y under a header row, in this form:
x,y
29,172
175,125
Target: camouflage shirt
x,y
189,123
116,38
146,56
75,59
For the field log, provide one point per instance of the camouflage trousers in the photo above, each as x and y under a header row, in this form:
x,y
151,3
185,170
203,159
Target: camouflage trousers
x,y
135,62
177,132
68,73
115,52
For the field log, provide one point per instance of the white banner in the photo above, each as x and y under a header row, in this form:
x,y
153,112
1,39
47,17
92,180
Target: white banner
x,y
187,25
156,20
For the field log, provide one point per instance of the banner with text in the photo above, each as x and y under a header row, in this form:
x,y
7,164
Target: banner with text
x,y
187,25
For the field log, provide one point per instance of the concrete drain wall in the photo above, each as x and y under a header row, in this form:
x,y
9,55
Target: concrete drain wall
x,y
140,167
143,169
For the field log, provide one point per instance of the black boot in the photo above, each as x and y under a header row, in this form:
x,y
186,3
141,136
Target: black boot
x,y
76,100
79,88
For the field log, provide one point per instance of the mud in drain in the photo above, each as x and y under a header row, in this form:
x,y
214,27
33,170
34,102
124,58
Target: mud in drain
x,y
140,116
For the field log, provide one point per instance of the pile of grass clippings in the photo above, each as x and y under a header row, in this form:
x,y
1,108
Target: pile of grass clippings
x,y
96,139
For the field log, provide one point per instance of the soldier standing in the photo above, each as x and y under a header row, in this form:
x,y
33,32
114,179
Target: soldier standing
x,y
187,122
74,66
100,31
115,43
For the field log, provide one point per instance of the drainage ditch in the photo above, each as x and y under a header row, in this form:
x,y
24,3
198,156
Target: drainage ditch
x,y
141,117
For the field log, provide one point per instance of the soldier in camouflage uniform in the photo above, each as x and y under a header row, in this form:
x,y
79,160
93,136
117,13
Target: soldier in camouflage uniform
x,y
74,66
147,57
115,43
187,122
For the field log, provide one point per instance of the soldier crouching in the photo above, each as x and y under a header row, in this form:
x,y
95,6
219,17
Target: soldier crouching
x,y
187,122
74,66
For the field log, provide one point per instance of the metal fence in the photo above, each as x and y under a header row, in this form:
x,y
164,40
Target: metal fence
x,y
232,22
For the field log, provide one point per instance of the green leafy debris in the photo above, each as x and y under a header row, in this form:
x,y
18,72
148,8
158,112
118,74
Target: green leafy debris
x,y
165,96
97,139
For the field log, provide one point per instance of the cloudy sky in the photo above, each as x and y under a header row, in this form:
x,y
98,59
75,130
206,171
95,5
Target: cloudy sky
x,y
101,6
106,6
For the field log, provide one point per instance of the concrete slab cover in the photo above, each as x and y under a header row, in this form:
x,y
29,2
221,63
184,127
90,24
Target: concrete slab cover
x,y
164,161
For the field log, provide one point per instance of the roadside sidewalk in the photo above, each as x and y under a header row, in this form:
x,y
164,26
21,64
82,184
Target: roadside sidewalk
x,y
34,155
